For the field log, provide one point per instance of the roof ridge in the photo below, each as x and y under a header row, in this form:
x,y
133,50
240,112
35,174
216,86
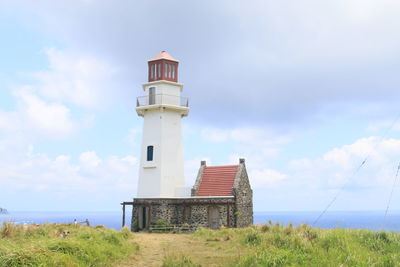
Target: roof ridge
x,y
221,166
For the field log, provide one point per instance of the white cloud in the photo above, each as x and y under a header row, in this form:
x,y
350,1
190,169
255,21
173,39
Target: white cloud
x,y
60,183
383,126
81,80
245,135
60,100
276,61
266,178
9,121
214,135
338,167
48,118
89,159
258,145
311,183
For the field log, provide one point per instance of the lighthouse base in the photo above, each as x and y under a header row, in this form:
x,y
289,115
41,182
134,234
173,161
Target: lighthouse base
x,y
211,212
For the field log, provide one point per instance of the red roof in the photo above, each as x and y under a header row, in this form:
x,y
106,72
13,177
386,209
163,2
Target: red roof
x,y
163,55
217,180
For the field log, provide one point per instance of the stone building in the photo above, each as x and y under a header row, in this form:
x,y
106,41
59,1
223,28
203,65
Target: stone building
x,y
221,196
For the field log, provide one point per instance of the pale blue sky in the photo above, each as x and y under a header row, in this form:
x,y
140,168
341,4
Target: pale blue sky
x,y
302,90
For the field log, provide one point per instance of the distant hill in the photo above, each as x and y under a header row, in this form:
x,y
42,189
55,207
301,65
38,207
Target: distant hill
x,y
3,211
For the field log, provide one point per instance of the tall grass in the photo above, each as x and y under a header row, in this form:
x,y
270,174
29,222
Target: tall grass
x,y
62,245
277,245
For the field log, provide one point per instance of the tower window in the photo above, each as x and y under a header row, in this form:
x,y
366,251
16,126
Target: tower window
x,y
173,72
150,152
152,95
152,71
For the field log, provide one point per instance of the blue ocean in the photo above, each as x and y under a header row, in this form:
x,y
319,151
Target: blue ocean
x,y
373,220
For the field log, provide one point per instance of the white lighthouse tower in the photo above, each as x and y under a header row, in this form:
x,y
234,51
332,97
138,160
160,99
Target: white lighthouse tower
x,y
162,107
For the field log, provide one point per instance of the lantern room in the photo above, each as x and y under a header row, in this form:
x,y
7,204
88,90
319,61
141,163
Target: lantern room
x,y
163,67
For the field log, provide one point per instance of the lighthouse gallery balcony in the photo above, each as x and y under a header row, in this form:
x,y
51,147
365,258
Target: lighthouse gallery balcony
x,y
155,101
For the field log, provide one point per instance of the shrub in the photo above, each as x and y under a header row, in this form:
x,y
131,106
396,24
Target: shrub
x,y
308,233
161,223
264,228
331,241
288,229
252,238
8,230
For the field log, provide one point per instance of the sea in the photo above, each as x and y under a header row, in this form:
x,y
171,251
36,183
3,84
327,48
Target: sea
x,y
373,220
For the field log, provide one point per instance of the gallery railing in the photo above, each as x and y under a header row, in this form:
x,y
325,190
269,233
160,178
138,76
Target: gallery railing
x,y
162,99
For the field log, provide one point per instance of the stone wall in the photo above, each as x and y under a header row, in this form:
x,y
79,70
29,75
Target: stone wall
x,y
244,197
193,211
196,185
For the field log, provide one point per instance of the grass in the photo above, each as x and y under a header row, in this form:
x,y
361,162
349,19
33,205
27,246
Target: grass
x,y
277,245
263,245
63,245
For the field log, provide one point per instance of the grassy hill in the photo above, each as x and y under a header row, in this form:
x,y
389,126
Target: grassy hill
x,y
265,245
275,245
63,245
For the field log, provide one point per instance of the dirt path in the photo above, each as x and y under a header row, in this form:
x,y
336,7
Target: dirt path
x,y
209,252
153,248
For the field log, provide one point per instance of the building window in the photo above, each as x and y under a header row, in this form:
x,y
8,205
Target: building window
x,y
152,95
150,152
173,71
159,70
152,72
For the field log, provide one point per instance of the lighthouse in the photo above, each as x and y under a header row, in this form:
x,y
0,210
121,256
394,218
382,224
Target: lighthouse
x,y
221,195
162,107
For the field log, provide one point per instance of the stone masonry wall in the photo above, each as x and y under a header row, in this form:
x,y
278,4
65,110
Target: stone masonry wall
x,y
193,211
244,198
196,185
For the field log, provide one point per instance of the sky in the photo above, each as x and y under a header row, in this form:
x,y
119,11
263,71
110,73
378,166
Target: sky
x,y
303,90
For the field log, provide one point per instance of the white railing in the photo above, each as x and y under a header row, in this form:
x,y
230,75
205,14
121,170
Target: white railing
x,y
162,99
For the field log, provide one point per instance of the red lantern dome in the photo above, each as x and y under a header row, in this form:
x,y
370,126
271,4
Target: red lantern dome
x,y
163,67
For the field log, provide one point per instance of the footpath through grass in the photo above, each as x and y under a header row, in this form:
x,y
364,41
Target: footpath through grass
x,y
63,245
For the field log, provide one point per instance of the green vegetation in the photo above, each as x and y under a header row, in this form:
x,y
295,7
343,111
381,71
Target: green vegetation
x,y
63,245
161,223
277,245
264,245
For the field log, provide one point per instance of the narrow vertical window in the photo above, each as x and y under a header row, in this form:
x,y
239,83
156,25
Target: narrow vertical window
x,y
159,70
152,95
152,71
173,71
150,151
165,70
